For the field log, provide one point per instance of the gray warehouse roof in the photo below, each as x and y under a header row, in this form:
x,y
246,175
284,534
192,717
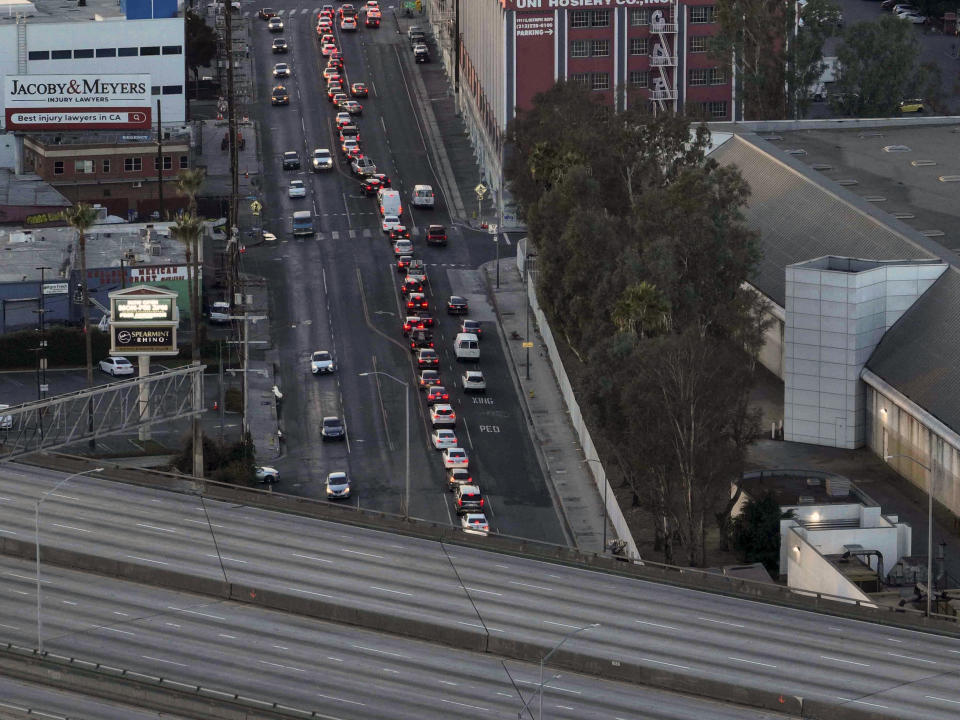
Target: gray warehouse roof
x,y
800,216
918,355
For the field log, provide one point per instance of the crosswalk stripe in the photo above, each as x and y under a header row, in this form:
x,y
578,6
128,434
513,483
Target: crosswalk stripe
x,y
353,234
334,234
305,11
367,233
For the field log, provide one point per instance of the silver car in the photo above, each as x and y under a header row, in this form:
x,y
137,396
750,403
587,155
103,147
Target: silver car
x,y
338,485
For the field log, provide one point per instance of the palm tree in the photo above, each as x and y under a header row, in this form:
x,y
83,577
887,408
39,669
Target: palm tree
x,y
189,183
641,309
80,217
187,230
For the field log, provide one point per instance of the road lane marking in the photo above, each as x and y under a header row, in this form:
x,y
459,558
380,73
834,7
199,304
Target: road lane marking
x,y
229,559
535,587
232,637
25,577
391,670
122,632
381,652
477,625
563,707
751,662
67,497
117,612
357,552
195,612
68,602
664,662
447,682
281,647
8,532
338,699
552,687
284,667
158,562
460,704
396,592
172,625
721,622
850,662
310,592
312,557
334,659
479,590
863,702
665,627
204,522
505,567
550,622
9,627
155,527
934,697
907,657
70,527
894,640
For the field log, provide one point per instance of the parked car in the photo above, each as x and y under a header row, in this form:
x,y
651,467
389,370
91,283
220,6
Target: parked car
x,y
267,474
116,366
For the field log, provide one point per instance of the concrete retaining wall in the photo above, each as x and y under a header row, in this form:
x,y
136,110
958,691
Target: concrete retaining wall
x,y
599,475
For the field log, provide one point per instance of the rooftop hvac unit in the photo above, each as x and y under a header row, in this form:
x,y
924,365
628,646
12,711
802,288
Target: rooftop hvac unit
x,y
155,249
838,487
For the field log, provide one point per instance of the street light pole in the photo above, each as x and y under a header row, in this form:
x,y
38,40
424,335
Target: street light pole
x,y
406,404
546,657
932,475
36,538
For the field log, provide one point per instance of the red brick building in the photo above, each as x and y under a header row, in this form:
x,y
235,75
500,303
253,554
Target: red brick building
x,y
629,52
117,170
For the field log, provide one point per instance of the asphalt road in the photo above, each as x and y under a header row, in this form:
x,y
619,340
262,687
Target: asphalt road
x,y
339,291
900,673
342,672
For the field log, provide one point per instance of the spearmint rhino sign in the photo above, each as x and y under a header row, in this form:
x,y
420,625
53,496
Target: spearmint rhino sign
x,y
76,102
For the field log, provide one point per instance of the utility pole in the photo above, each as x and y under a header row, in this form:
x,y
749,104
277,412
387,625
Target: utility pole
x,y
245,369
232,220
160,160
42,387
456,51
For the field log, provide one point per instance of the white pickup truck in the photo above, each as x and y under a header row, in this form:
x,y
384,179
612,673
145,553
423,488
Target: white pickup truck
x,y
220,312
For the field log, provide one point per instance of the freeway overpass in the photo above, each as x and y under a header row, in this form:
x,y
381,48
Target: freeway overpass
x,y
473,599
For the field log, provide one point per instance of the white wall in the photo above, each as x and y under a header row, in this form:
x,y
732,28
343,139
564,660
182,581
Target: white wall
x,y
164,70
808,570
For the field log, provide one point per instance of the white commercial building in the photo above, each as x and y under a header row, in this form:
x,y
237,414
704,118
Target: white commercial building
x,y
55,51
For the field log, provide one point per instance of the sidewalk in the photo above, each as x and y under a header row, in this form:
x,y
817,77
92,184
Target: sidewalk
x,y
554,439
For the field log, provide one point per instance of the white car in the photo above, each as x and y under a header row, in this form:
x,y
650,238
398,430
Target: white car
x,y
475,524
352,107
267,474
343,118
297,189
349,145
363,166
455,457
268,236
390,222
281,70
402,247
473,381
442,414
220,312
321,362
348,23
322,159
912,16
6,421
116,366
443,438
338,485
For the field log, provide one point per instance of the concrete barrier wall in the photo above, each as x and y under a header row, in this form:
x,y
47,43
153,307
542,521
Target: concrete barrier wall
x,y
596,470
142,691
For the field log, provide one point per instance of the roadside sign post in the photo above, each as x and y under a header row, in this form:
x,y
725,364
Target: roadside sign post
x,y
481,191
143,322
494,230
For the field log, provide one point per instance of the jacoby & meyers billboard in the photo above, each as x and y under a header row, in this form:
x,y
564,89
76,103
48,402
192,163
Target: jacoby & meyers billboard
x,y
76,102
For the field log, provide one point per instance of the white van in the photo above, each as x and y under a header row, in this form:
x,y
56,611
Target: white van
x,y
466,347
390,202
422,196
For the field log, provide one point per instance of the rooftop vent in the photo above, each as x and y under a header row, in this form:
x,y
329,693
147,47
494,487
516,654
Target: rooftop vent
x,y
806,500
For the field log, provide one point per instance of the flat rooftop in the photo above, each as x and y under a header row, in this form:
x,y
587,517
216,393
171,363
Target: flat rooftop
x,y
29,191
800,487
60,10
23,250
